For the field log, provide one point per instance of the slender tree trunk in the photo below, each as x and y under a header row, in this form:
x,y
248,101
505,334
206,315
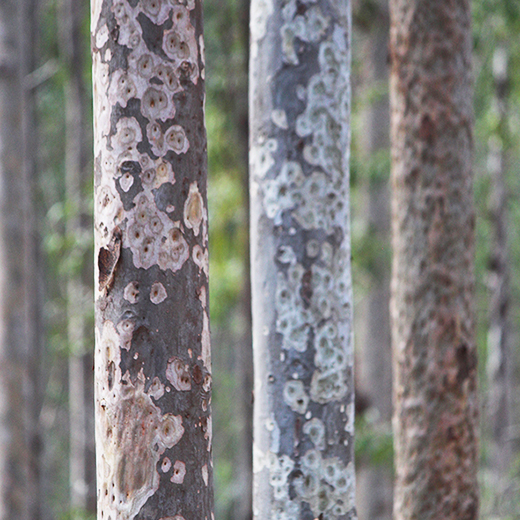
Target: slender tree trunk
x,y
153,361
499,334
301,284
433,221
244,506
71,50
21,326
375,485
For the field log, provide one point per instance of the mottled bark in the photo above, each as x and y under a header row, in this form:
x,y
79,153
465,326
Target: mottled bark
x,y
71,50
499,334
375,483
433,222
300,256
153,362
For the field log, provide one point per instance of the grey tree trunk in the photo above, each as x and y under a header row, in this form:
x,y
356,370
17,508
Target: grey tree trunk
x,y
500,361
153,360
300,256
72,12
20,329
375,483
433,222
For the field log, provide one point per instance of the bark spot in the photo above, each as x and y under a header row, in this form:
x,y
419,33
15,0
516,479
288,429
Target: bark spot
x,y
178,374
158,293
194,209
178,473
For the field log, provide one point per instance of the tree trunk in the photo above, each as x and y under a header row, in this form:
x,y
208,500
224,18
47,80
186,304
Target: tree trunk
x,y
20,330
375,483
153,360
499,357
433,221
300,255
71,50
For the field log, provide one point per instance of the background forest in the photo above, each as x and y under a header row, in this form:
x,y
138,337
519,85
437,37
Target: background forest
x,y
60,79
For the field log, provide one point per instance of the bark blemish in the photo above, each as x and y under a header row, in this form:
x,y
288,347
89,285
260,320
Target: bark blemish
x,y
158,293
178,374
131,293
178,473
194,209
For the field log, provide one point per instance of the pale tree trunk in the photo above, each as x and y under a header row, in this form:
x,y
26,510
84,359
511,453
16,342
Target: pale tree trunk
x,y
153,361
499,334
300,256
433,222
375,484
72,12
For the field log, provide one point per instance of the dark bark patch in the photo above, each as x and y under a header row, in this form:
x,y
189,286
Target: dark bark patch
x,y
153,34
427,128
466,361
107,261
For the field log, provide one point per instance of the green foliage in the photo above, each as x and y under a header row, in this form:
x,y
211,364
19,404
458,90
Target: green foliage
x,y
373,441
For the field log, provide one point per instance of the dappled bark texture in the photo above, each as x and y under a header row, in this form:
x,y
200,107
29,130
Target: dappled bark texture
x,y
300,257
435,391
153,363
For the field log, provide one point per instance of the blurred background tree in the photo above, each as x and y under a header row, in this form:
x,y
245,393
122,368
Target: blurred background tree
x,y
68,254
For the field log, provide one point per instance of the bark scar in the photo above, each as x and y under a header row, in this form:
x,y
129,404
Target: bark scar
x,y
108,259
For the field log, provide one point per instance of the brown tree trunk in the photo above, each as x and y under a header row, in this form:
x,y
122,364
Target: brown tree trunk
x,y
433,221
300,257
153,360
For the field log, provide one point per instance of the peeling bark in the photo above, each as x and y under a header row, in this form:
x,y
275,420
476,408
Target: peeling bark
x,y
433,222
300,256
153,360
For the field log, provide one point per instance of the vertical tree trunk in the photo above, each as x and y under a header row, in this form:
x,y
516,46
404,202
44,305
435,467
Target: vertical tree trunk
x,y
153,361
301,284
433,221
499,357
71,51
19,306
375,487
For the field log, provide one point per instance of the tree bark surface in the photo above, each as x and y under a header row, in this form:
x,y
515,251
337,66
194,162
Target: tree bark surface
x,y
153,362
300,257
433,222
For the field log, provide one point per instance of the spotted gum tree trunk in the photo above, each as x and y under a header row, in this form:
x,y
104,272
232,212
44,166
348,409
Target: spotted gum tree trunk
x,y
153,362
433,221
300,256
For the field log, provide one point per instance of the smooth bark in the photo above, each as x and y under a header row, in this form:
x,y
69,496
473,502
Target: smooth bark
x,y
433,222
300,258
153,360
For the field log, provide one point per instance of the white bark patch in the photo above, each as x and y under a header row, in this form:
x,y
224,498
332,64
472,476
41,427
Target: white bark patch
x,y
178,374
204,471
127,463
315,429
166,465
201,259
205,343
126,182
178,473
126,330
261,156
279,118
131,292
194,211
158,293
309,27
295,397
